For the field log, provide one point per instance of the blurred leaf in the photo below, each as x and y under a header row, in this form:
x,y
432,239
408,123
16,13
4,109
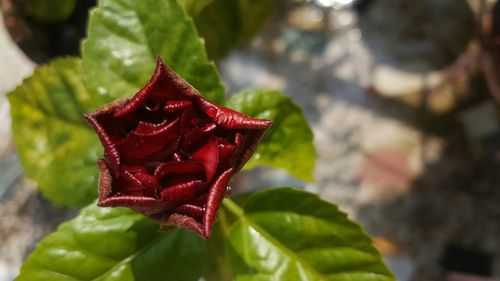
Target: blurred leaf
x,y
126,36
288,234
253,15
57,147
220,25
50,11
194,7
288,144
114,244
216,264
226,23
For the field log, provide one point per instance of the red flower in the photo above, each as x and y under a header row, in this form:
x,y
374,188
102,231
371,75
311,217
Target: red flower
x,y
169,153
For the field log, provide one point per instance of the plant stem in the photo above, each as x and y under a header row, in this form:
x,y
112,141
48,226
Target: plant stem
x,y
233,208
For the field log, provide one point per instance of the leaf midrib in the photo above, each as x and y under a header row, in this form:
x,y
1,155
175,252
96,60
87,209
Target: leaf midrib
x,y
132,256
49,115
143,28
285,250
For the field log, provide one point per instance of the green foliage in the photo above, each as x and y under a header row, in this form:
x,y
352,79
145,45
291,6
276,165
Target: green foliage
x,y
56,146
194,7
114,244
253,15
219,24
226,23
281,234
287,234
126,36
216,263
50,11
288,143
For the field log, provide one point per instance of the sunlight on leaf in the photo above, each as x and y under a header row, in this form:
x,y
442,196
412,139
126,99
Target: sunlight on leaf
x,y
126,36
114,244
288,144
56,146
289,234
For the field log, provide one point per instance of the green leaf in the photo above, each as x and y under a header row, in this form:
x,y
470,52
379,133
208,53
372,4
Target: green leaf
x,y
50,11
288,144
126,36
253,15
194,7
114,244
216,264
220,25
56,146
288,234
226,23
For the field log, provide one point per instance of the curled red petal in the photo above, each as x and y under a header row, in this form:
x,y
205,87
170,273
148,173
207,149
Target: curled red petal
x,y
157,86
176,105
226,150
177,168
130,184
182,192
208,156
105,181
110,151
183,221
215,196
197,136
248,144
230,119
140,147
139,181
193,211
146,128
142,204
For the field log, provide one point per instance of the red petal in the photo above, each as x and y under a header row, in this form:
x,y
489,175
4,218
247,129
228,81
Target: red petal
x,y
158,86
177,157
186,119
215,196
145,205
226,152
201,200
182,192
238,139
177,105
105,181
193,211
166,169
130,184
111,153
146,128
230,119
247,145
184,221
139,147
208,155
197,136
139,179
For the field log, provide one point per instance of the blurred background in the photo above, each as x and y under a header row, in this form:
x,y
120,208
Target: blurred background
x,y
403,98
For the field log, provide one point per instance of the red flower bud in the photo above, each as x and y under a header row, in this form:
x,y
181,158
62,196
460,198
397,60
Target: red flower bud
x,y
169,153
